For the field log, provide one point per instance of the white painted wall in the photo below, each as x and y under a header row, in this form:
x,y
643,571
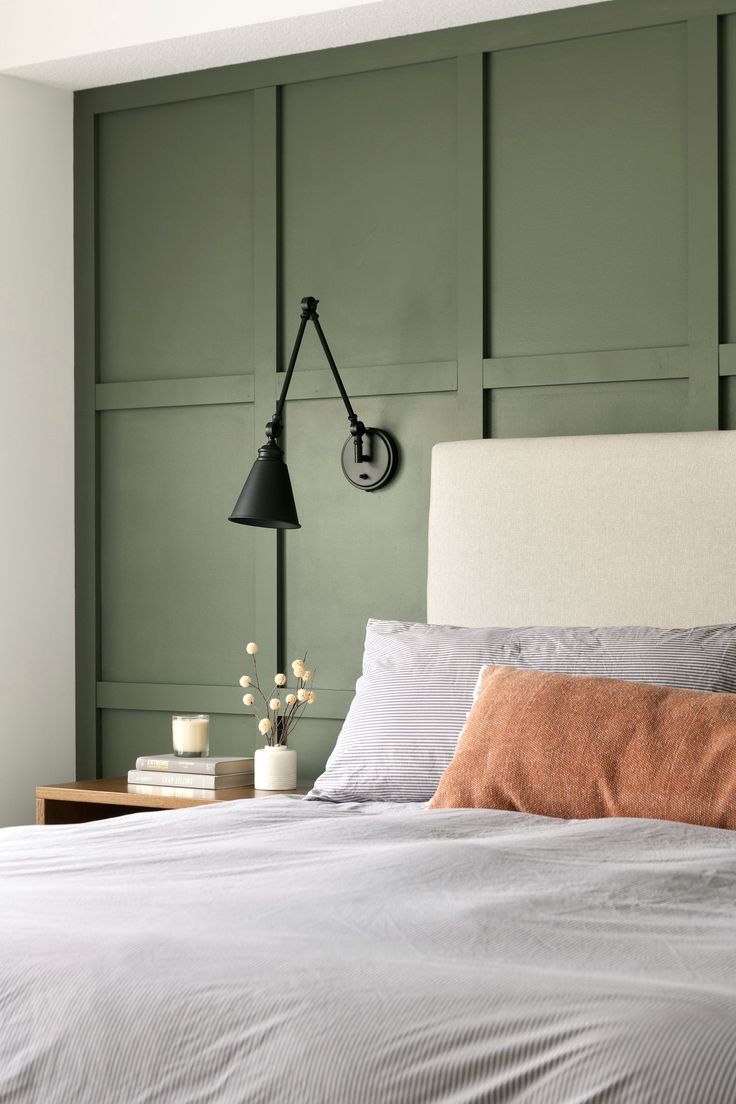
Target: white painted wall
x,y
36,445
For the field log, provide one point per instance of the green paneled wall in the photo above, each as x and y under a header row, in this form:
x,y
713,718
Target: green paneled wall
x,y
175,200
368,174
520,228
176,586
728,210
632,406
367,557
587,203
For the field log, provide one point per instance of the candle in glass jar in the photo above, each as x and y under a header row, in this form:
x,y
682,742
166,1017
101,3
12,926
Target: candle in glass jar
x,y
190,733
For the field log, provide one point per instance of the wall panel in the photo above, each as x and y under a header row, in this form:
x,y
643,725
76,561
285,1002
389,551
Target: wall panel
x,y
587,217
368,214
174,240
632,406
176,581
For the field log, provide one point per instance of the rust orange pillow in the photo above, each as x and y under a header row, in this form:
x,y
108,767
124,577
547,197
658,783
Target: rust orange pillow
x,y
575,746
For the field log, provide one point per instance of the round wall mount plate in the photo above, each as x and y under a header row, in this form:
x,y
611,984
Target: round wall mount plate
x,y
379,469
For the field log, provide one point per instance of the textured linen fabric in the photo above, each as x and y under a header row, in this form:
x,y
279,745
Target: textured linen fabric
x,y
609,529
416,689
278,951
579,746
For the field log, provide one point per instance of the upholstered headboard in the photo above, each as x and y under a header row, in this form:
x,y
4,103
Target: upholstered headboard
x,y
606,530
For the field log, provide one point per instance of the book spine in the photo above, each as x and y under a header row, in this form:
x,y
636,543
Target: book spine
x,y
180,791
195,766
192,766
195,781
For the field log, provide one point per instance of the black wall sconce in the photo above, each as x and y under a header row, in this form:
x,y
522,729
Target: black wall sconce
x,y
369,456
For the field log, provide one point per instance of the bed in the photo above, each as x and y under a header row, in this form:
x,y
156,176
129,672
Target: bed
x,y
380,952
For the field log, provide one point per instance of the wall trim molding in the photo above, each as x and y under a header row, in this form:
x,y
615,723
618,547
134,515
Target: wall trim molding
x,y
199,391
608,366
703,220
170,698
383,379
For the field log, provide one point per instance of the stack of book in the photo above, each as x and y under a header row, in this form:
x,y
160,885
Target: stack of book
x,y
207,772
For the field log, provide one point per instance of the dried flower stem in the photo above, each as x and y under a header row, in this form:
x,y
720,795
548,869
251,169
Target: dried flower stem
x,y
282,721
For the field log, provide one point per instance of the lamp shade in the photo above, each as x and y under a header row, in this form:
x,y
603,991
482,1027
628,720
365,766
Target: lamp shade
x,y
267,498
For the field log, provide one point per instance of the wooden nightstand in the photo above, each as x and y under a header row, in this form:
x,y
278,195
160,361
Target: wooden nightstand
x,y
74,802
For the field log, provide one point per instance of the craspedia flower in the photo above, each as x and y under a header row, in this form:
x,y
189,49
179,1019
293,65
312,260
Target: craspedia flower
x,y
307,676
248,699
311,697
290,699
302,695
251,648
280,679
264,726
244,681
275,703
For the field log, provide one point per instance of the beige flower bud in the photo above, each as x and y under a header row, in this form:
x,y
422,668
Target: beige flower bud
x,y
311,697
251,648
275,703
290,699
244,681
248,699
298,668
264,726
280,679
307,676
302,695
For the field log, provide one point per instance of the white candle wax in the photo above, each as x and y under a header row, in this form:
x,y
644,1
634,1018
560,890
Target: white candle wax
x,y
190,734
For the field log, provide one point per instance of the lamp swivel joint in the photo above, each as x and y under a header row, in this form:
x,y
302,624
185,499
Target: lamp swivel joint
x,y
358,431
274,429
309,307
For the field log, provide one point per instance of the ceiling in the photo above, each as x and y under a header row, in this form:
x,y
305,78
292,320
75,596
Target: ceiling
x,y
87,43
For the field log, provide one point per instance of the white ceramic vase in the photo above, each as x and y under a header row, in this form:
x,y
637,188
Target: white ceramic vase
x,y
275,768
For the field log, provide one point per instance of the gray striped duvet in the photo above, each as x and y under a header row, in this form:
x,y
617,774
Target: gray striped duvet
x,y
288,951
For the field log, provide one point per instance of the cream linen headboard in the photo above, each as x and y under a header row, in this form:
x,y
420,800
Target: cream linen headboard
x,y
610,530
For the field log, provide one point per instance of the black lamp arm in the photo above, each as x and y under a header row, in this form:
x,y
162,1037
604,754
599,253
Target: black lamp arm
x,y
274,427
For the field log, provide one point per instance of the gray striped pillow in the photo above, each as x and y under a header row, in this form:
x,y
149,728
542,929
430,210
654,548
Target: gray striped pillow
x,y
417,688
